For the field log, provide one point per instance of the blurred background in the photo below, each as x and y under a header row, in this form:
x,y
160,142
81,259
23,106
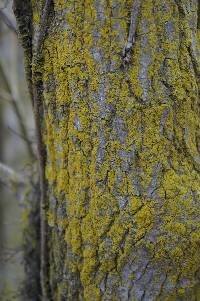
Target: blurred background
x,y
16,142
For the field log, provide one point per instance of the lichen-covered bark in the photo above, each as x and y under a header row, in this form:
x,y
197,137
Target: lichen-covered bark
x,y
123,142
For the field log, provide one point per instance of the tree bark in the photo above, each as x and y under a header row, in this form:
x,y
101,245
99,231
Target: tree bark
x,y
115,87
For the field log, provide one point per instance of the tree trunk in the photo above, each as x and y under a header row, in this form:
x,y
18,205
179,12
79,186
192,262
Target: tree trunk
x,y
115,88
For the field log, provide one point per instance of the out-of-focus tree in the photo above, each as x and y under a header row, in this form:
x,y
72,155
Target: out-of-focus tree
x,y
16,150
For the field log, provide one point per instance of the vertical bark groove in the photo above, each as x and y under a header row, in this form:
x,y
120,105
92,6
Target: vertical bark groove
x,y
33,64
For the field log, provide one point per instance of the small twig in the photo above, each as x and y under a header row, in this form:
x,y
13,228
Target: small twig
x,y
17,111
4,17
9,254
10,177
20,135
132,31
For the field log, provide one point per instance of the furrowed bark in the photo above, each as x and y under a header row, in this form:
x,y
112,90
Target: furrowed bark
x,y
122,148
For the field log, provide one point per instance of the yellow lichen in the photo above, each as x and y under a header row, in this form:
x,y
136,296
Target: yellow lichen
x,y
122,150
